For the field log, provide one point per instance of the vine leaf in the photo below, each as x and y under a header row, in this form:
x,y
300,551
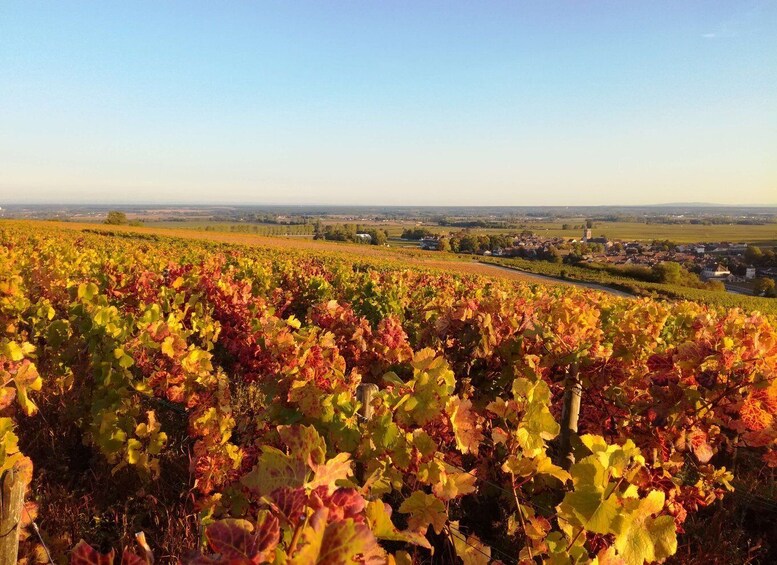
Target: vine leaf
x,y
274,469
379,518
641,538
85,554
27,379
466,427
327,475
237,540
304,442
432,384
424,509
311,539
595,512
528,466
336,543
453,483
470,550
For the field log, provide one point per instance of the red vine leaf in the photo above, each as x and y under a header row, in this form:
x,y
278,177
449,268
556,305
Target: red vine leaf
x,y
85,554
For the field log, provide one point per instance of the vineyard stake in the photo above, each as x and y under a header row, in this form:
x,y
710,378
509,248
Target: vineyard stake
x,y
570,413
364,393
12,487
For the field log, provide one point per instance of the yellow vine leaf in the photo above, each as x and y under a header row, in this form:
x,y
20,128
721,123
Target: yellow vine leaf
x,y
466,425
424,509
470,549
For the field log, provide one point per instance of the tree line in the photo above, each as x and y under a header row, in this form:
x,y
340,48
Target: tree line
x,y
348,232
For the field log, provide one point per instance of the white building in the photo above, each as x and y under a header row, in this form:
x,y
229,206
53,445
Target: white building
x,y
715,271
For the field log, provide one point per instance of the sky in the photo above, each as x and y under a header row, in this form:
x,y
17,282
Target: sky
x,y
389,102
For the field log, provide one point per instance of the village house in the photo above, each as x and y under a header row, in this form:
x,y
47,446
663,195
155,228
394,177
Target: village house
x,y
430,244
714,271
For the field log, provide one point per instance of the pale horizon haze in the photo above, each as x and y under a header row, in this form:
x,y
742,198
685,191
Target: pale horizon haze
x,y
389,103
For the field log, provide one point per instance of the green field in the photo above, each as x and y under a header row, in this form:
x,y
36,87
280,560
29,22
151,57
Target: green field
x,y
679,233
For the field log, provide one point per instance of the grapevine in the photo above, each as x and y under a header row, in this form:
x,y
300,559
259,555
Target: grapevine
x,y
225,378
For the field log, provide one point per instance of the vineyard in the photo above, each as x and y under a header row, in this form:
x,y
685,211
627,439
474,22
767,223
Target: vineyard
x,y
167,400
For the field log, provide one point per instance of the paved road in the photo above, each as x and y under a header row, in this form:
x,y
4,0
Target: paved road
x,y
545,278
734,289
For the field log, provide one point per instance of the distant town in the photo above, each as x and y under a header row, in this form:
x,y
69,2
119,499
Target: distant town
x,y
735,265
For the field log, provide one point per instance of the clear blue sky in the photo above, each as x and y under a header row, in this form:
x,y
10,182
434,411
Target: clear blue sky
x,y
389,102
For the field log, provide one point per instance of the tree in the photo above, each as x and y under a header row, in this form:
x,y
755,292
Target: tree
x,y
443,244
116,218
753,254
500,241
663,245
553,255
468,244
668,272
573,258
379,237
764,286
338,232
416,233
589,223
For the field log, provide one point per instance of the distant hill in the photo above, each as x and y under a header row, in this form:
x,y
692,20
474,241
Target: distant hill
x,y
693,205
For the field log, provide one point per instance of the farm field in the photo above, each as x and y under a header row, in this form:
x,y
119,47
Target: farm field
x,y
679,233
258,228
218,384
394,229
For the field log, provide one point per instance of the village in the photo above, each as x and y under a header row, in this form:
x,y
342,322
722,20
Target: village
x,y
737,265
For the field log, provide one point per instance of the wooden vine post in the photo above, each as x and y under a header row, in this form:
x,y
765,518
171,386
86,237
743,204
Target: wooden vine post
x,y
364,394
12,486
570,414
